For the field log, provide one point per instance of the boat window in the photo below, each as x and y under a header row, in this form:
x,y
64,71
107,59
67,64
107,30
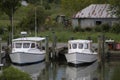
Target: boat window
x,y
80,46
18,45
26,45
33,45
74,46
86,46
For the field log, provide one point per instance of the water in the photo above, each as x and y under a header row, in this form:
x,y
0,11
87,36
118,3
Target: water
x,y
56,71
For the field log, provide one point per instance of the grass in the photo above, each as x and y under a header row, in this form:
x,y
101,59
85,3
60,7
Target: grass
x,y
64,36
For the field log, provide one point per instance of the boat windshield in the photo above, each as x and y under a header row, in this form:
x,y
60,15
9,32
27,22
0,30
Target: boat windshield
x,y
74,45
26,45
33,45
18,45
86,46
80,46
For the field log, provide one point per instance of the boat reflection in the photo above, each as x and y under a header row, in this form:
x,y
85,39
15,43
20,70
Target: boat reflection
x,y
82,73
34,69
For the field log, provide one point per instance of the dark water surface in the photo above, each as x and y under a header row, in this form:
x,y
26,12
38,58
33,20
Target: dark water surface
x,y
60,71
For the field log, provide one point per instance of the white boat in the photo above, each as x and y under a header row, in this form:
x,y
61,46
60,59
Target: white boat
x,y
27,50
80,51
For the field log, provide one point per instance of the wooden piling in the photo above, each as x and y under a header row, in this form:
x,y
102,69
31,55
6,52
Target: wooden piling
x,y
47,49
99,48
101,55
103,48
54,45
0,52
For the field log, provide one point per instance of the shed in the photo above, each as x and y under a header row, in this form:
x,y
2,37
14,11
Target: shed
x,y
94,14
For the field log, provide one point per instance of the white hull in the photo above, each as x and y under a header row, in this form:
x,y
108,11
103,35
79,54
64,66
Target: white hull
x,y
26,58
79,58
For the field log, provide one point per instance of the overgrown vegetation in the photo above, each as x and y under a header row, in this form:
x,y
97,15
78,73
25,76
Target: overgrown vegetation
x,y
46,13
12,73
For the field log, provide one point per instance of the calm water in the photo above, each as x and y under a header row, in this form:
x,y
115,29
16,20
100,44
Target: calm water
x,y
56,71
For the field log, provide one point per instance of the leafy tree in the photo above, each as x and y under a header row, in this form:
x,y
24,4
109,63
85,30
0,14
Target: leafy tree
x,y
115,7
28,23
9,7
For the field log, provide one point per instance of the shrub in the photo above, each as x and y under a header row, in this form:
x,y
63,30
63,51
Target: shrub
x,y
12,73
77,29
88,29
115,28
97,28
102,28
105,27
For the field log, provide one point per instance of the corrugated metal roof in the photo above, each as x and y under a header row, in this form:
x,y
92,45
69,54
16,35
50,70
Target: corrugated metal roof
x,y
95,11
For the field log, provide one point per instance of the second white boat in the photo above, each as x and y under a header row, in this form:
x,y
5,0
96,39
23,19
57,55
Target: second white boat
x,y
80,51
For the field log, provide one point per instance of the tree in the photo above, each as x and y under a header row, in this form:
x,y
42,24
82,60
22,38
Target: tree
x,y
9,7
115,7
28,23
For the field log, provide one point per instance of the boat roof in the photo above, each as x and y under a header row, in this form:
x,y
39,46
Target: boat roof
x,y
29,39
79,41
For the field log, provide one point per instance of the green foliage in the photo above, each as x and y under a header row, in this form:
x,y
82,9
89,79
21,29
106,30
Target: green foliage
x,y
97,28
115,6
78,29
105,27
9,6
102,28
88,29
28,23
12,73
115,28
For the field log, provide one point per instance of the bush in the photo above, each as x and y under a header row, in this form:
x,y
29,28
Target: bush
x,y
88,29
105,27
115,28
12,73
77,29
97,28
102,28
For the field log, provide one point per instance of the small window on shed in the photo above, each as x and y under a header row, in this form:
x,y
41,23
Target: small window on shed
x,y
98,22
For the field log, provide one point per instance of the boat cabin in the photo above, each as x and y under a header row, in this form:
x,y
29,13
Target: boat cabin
x,y
27,43
79,44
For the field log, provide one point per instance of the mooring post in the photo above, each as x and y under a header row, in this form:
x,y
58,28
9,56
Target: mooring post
x,y
1,65
103,50
47,49
0,51
101,55
53,45
99,49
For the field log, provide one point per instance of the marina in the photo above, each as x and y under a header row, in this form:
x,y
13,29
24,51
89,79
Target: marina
x,y
57,67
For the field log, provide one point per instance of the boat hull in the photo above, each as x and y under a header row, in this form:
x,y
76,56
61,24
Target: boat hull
x,y
26,58
79,58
